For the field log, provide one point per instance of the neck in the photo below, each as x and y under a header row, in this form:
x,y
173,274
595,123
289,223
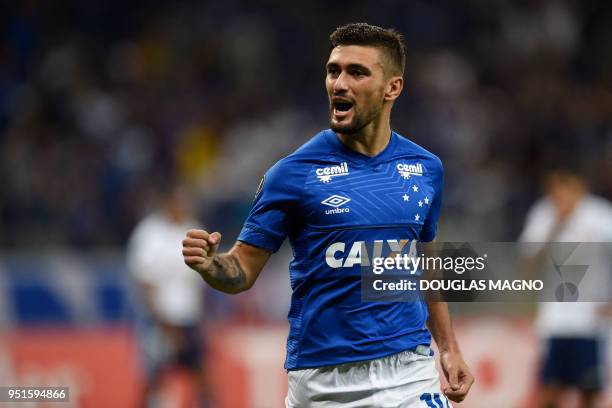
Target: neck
x,y
372,139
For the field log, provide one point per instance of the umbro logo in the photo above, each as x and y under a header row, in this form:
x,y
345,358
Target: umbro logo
x,y
407,170
336,201
326,174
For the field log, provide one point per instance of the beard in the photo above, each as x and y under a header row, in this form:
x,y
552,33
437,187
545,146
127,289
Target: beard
x,y
359,121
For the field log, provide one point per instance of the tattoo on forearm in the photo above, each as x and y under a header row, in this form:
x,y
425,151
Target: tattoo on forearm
x,y
226,271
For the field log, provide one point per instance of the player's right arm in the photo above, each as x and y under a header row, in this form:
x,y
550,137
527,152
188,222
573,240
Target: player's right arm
x,y
266,227
231,272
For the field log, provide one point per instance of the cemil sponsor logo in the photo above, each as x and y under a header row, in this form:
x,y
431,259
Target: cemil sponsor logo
x,y
407,170
326,174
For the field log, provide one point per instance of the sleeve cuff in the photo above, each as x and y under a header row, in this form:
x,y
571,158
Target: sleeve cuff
x,y
260,238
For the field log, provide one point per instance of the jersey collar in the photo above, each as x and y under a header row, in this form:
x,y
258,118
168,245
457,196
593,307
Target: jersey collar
x,y
357,157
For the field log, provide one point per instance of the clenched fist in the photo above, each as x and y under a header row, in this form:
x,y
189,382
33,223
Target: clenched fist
x,y
199,248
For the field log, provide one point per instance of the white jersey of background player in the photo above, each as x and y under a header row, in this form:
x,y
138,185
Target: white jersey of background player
x,y
574,331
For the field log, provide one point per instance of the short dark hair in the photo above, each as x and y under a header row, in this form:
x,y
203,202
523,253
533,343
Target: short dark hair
x,y
390,40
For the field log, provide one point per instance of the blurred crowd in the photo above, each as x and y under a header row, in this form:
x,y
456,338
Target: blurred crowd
x,y
101,102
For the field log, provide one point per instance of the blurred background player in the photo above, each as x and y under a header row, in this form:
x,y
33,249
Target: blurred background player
x,y
573,332
169,296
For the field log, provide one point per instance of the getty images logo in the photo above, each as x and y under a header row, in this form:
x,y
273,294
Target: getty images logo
x,y
336,201
325,174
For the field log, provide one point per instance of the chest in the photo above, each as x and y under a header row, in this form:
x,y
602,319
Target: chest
x,y
346,195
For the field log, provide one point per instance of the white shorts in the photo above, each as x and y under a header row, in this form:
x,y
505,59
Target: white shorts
x,y
407,380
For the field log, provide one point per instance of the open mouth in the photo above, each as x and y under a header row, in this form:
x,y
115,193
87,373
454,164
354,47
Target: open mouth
x,y
342,106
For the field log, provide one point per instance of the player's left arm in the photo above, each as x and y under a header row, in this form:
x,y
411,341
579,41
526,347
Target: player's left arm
x,y
456,371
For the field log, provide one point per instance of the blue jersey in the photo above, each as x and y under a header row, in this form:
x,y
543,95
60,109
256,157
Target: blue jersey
x,y
328,199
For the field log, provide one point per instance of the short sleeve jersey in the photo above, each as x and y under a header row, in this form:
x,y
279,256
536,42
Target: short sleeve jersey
x,y
329,199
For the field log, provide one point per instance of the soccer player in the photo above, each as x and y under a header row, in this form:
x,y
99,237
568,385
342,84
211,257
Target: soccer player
x,y
356,182
573,332
169,297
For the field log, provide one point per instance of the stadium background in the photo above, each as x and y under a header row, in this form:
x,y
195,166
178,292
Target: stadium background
x,y
101,101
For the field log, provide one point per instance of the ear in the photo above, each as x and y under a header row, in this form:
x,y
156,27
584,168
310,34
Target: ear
x,y
394,88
